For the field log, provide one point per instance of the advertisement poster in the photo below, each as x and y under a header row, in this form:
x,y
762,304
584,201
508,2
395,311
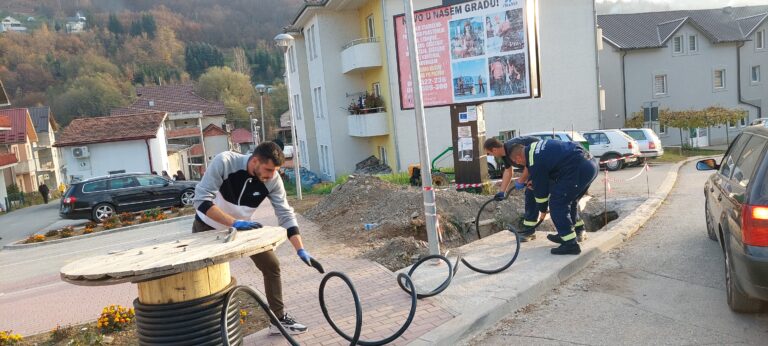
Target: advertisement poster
x,y
469,52
464,131
465,149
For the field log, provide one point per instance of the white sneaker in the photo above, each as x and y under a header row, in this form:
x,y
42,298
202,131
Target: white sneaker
x,y
290,325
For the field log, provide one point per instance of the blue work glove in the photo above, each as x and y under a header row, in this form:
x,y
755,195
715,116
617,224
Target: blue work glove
x,y
304,255
518,185
242,225
500,196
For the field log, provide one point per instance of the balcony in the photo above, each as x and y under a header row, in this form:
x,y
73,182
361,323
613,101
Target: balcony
x,y
368,125
361,54
25,166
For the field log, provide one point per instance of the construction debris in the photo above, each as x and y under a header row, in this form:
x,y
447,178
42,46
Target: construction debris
x,y
372,165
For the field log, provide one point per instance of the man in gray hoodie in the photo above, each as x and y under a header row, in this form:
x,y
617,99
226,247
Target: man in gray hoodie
x,y
231,189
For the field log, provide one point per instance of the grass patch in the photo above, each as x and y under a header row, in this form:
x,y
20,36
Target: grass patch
x,y
673,154
323,188
401,178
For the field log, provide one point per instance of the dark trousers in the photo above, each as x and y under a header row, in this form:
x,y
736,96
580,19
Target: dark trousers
x,y
269,266
565,195
531,216
45,197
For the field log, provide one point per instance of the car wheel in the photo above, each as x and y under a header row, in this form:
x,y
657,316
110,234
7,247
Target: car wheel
x,y
738,301
102,211
187,197
613,165
708,217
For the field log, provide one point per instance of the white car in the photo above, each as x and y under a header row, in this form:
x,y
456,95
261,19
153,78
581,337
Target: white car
x,y
565,136
650,144
759,122
612,146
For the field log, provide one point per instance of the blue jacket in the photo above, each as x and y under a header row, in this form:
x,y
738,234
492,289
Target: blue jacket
x,y
524,140
549,161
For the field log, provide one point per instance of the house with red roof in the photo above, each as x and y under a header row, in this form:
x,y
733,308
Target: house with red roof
x,y
196,128
99,146
18,141
243,139
49,169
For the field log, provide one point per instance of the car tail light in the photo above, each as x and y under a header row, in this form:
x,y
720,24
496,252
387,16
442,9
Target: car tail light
x,y
70,200
754,225
630,145
651,145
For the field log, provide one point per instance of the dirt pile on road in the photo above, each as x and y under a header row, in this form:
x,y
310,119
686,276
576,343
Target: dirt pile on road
x,y
395,211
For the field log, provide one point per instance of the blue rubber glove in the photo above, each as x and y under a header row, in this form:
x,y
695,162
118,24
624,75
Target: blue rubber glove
x,y
500,196
518,185
243,225
304,255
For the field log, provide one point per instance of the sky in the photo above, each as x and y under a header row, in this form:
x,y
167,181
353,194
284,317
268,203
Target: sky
x,y
629,6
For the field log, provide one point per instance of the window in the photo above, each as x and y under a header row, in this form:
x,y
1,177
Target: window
x,y
597,138
756,74
149,180
719,79
324,162
95,186
122,183
303,152
310,43
314,42
296,106
731,125
370,27
317,98
662,129
383,155
637,135
726,167
693,43
660,84
743,121
748,160
760,40
292,59
377,89
677,45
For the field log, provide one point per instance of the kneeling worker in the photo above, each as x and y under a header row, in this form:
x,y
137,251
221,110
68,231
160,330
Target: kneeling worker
x,y
561,173
495,148
231,189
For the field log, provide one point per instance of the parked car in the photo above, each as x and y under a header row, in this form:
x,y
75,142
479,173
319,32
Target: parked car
x,y
650,144
612,144
102,197
566,136
759,122
736,212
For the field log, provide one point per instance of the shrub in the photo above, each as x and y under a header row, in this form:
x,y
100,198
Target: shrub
x,y
161,216
114,318
153,213
8,338
124,217
59,333
87,230
109,224
91,224
112,219
52,233
174,210
67,232
144,219
127,223
35,238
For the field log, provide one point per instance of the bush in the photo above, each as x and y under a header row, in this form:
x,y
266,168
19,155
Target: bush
x,y
67,232
114,319
52,233
144,219
59,333
87,230
153,213
161,216
125,217
174,210
108,224
91,224
8,338
35,238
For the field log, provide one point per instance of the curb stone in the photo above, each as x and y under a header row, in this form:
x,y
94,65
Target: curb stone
x,y
18,246
464,326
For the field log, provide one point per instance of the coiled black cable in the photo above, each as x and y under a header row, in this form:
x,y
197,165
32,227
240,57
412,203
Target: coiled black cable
x,y
194,322
225,321
452,268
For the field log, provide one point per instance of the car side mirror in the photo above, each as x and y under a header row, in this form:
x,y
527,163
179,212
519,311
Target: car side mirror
x,y
707,165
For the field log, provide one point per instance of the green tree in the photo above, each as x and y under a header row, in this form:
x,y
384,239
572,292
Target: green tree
x,y
114,25
148,24
92,95
199,56
136,29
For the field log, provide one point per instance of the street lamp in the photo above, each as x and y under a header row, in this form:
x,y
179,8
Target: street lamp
x,y
261,88
284,41
250,110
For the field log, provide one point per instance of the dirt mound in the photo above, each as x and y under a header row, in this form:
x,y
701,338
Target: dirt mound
x,y
397,211
398,252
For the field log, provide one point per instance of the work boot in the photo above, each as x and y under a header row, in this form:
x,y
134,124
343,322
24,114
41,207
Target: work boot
x,y
555,238
527,234
581,236
570,247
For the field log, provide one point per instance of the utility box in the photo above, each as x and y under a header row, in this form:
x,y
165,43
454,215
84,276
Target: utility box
x,y
469,159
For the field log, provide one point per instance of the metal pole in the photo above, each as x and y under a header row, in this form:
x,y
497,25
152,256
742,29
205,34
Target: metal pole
x,y
430,208
253,129
296,157
261,101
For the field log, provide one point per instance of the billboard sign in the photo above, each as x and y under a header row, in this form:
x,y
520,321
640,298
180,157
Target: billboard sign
x,y
476,51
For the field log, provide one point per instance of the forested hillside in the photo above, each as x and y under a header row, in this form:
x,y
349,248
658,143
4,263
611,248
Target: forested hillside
x,y
138,42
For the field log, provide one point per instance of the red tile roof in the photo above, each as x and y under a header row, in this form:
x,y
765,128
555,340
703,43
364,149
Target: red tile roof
x,y
115,128
171,99
213,130
21,127
184,132
8,159
242,136
196,150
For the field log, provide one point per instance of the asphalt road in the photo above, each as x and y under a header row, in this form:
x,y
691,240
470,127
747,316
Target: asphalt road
x,y
664,286
20,224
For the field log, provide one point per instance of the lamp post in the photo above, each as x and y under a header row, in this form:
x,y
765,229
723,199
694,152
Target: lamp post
x,y
284,41
261,88
250,110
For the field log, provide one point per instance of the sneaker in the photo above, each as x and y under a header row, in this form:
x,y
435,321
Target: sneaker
x,y
554,238
570,247
290,325
527,234
581,236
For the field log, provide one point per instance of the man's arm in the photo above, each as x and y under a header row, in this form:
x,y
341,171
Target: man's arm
x,y
206,190
284,213
506,177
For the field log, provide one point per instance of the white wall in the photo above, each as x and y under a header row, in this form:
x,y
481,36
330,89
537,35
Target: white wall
x,y
159,149
130,156
3,190
756,93
569,96
610,80
305,127
215,145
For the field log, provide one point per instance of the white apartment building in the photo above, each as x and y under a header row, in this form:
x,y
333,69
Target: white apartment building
x,y
682,60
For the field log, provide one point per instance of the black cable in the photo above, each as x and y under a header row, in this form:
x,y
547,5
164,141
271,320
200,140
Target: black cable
x,y
358,308
194,322
452,268
224,321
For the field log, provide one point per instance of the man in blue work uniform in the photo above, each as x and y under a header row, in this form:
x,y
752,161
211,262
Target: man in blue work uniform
x,y
495,148
561,173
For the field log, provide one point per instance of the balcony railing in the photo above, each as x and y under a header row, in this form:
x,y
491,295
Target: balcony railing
x,y
363,53
368,125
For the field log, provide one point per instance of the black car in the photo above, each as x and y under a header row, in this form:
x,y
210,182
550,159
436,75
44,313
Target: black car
x,y
736,210
102,197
